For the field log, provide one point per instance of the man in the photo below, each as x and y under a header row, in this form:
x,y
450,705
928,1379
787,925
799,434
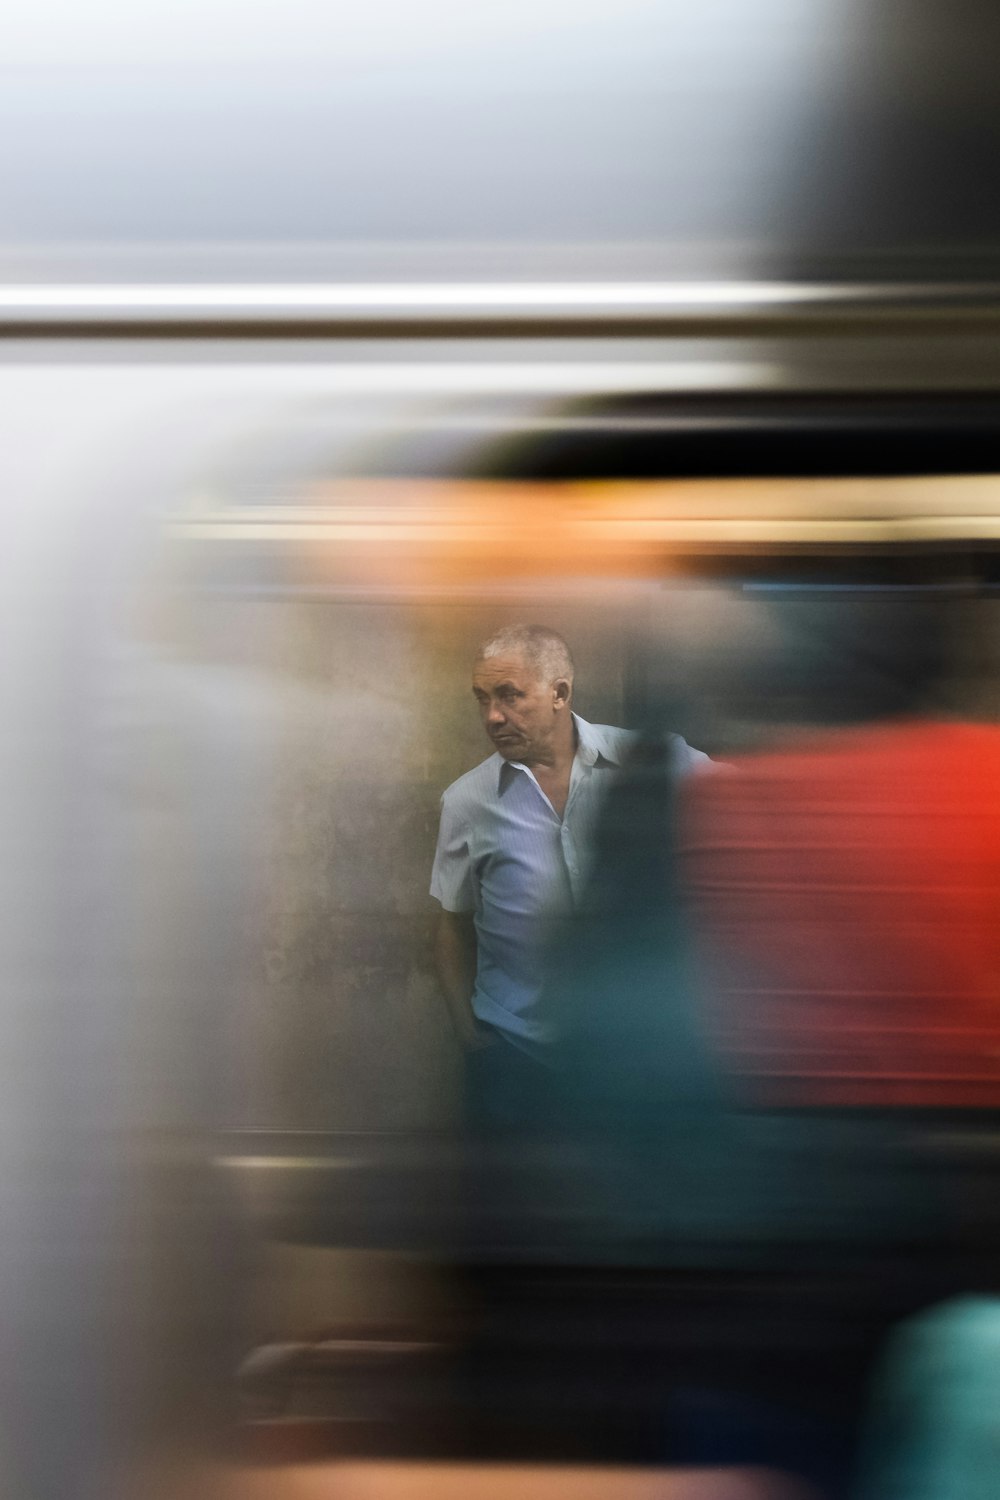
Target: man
x,y
513,857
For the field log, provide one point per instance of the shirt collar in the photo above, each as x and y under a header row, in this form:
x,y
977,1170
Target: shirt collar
x,y
591,746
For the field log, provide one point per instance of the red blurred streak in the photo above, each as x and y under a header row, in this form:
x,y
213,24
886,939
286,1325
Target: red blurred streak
x,y
846,897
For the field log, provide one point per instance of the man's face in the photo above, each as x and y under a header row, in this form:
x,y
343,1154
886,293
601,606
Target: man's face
x,y
521,713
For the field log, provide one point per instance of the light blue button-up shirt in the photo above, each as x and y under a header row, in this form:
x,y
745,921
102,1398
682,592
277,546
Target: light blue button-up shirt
x,y
504,854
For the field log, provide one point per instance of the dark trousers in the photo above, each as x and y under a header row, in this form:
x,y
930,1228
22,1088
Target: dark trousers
x,y
506,1089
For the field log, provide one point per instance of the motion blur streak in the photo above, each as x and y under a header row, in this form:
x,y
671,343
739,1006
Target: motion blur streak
x,y
335,343
235,1157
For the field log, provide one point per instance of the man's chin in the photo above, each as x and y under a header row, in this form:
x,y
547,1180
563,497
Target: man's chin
x,y
509,749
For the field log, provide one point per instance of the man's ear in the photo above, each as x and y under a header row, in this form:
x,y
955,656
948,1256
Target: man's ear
x,y
561,689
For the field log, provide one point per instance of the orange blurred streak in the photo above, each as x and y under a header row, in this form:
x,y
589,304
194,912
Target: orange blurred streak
x,y
374,1480
449,531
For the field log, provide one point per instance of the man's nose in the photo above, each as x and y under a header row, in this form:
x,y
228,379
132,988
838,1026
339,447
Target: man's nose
x,y
494,714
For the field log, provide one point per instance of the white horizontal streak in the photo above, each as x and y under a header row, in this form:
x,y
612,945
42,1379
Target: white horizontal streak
x,y
358,298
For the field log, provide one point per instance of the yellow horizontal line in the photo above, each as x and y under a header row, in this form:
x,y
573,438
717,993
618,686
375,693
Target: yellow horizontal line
x,y
284,1163
596,533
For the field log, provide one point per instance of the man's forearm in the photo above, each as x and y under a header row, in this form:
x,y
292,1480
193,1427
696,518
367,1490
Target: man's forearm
x,y
455,959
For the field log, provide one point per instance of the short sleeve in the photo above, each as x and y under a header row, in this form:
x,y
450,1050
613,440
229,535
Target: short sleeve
x,y
691,762
453,880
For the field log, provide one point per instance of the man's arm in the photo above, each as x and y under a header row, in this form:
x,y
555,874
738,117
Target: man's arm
x,y
455,960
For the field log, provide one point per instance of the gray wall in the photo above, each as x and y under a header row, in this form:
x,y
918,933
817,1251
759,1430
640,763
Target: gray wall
x,y
365,715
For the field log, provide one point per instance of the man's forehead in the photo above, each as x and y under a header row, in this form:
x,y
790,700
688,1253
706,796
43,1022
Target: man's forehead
x,y
512,666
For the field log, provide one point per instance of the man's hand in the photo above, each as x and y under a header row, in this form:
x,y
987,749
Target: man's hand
x,y
455,960
478,1037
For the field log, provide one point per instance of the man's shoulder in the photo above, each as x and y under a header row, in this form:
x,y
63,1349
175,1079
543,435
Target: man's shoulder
x,y
691,762
475,787
616,745
613,743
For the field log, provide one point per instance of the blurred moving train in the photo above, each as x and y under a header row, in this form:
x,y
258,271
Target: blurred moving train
x,y
701,369
249,592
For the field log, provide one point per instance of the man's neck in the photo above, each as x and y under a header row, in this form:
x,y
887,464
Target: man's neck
x,y
561,752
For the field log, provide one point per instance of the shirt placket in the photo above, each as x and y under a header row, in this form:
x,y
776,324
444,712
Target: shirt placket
x,y
567,840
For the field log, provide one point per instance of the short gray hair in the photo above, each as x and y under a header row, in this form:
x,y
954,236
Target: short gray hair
x,y
543,649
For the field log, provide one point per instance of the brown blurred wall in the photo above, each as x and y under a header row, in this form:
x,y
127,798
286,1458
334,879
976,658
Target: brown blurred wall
x,y
371,717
